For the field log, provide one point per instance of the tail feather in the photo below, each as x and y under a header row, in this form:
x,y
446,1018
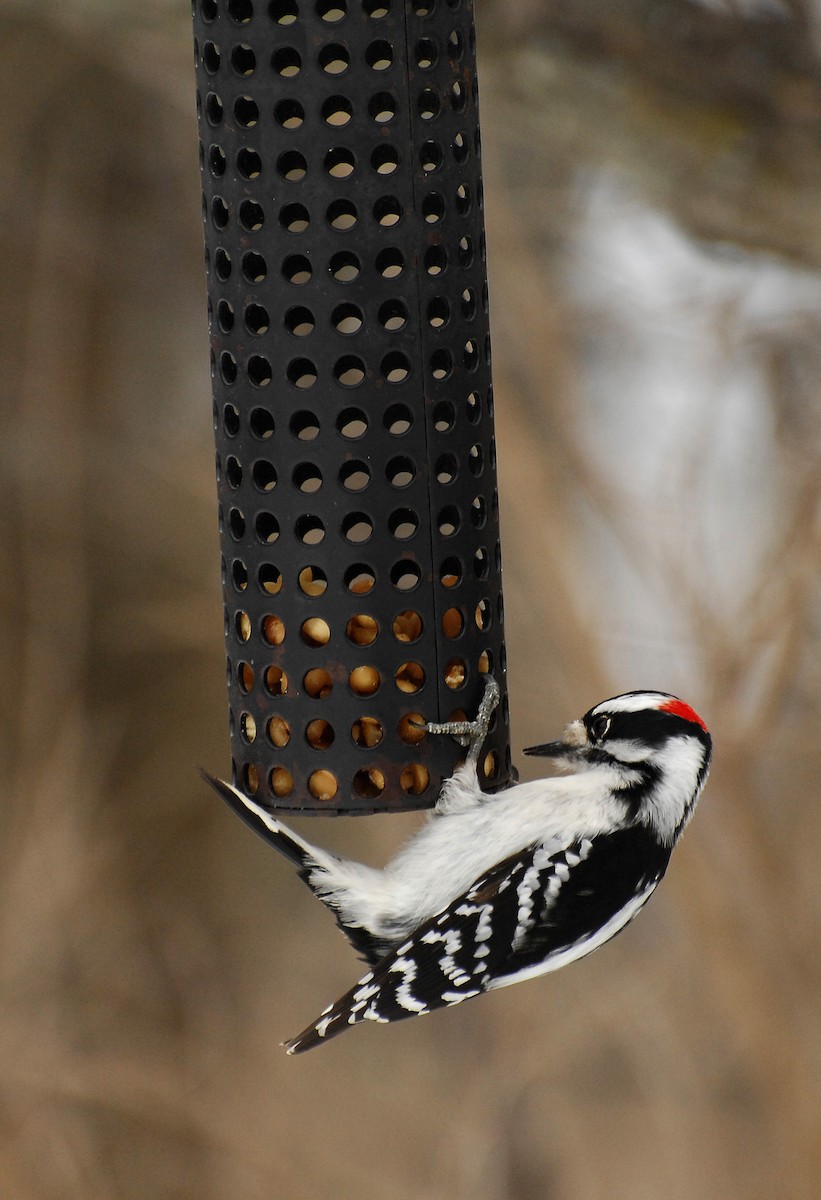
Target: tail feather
x,y
297,851
317,868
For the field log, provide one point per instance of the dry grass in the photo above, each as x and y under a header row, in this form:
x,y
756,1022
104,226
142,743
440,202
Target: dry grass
x,y
152,955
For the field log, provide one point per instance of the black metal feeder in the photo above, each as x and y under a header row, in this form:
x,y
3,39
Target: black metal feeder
x,y
353,407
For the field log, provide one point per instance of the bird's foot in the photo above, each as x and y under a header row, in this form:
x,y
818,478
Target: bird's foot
x,y
472,733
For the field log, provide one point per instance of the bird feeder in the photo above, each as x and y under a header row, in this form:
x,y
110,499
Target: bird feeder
x,y
353,406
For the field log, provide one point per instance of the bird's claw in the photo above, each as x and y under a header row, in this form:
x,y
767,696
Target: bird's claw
x,y
471,733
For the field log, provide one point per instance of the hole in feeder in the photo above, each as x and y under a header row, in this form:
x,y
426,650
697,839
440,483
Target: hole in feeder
x,y
289,114
407,627
479,513
242,623
476,460
410,677
392,315
247,728
395,367
414,779
405,575
230,420
211,57
430,157
446,469
354,476
292,166
345,266
315,632
245,677
279,732
425,53
364,681
259,370
341,215
403,523
318,683
398,419
453,622
357,528
250,778
246,111
337,111
276,681
369,782
491,765
261,423
359,579
450,572
382,108
347,318
428,105
455,673
444,416
390,262
340,162
284,12
367,732
233,471
299,321
481,563
243,59
270,578
322,785
294,217
468,304
400,471
385,159
362,630
297,269
219,212
254,267
273,630
301,373
409,728
286,62
485,663
239,574
387,211
217,161
228,367
281,781
225,316
309,529
470,355
313,581
256,319
213,109
448,521
222,265
334,60
264,475
433,208
473,407
320,734
483,616
307,478
349,371
458,96
441,363
379,55
352,423
236,524
436,260
249,163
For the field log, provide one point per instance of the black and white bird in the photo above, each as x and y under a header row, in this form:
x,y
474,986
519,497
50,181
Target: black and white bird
x,y
498,888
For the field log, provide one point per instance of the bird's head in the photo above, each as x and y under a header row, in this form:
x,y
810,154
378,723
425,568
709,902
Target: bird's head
x,y
656,748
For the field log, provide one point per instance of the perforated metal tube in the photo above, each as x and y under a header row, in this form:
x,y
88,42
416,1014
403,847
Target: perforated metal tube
x,y
353,406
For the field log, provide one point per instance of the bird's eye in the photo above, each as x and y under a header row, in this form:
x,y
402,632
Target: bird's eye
x,y
599,727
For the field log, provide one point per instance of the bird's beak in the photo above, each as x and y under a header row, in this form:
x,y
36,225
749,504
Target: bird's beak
x,y
571,744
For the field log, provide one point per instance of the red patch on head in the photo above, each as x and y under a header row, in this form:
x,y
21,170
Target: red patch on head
x,y
679,709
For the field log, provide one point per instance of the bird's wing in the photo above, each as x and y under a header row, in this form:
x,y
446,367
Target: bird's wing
x,y
531,913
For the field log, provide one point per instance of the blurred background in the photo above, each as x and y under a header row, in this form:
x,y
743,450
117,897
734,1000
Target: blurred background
x,y
653,185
